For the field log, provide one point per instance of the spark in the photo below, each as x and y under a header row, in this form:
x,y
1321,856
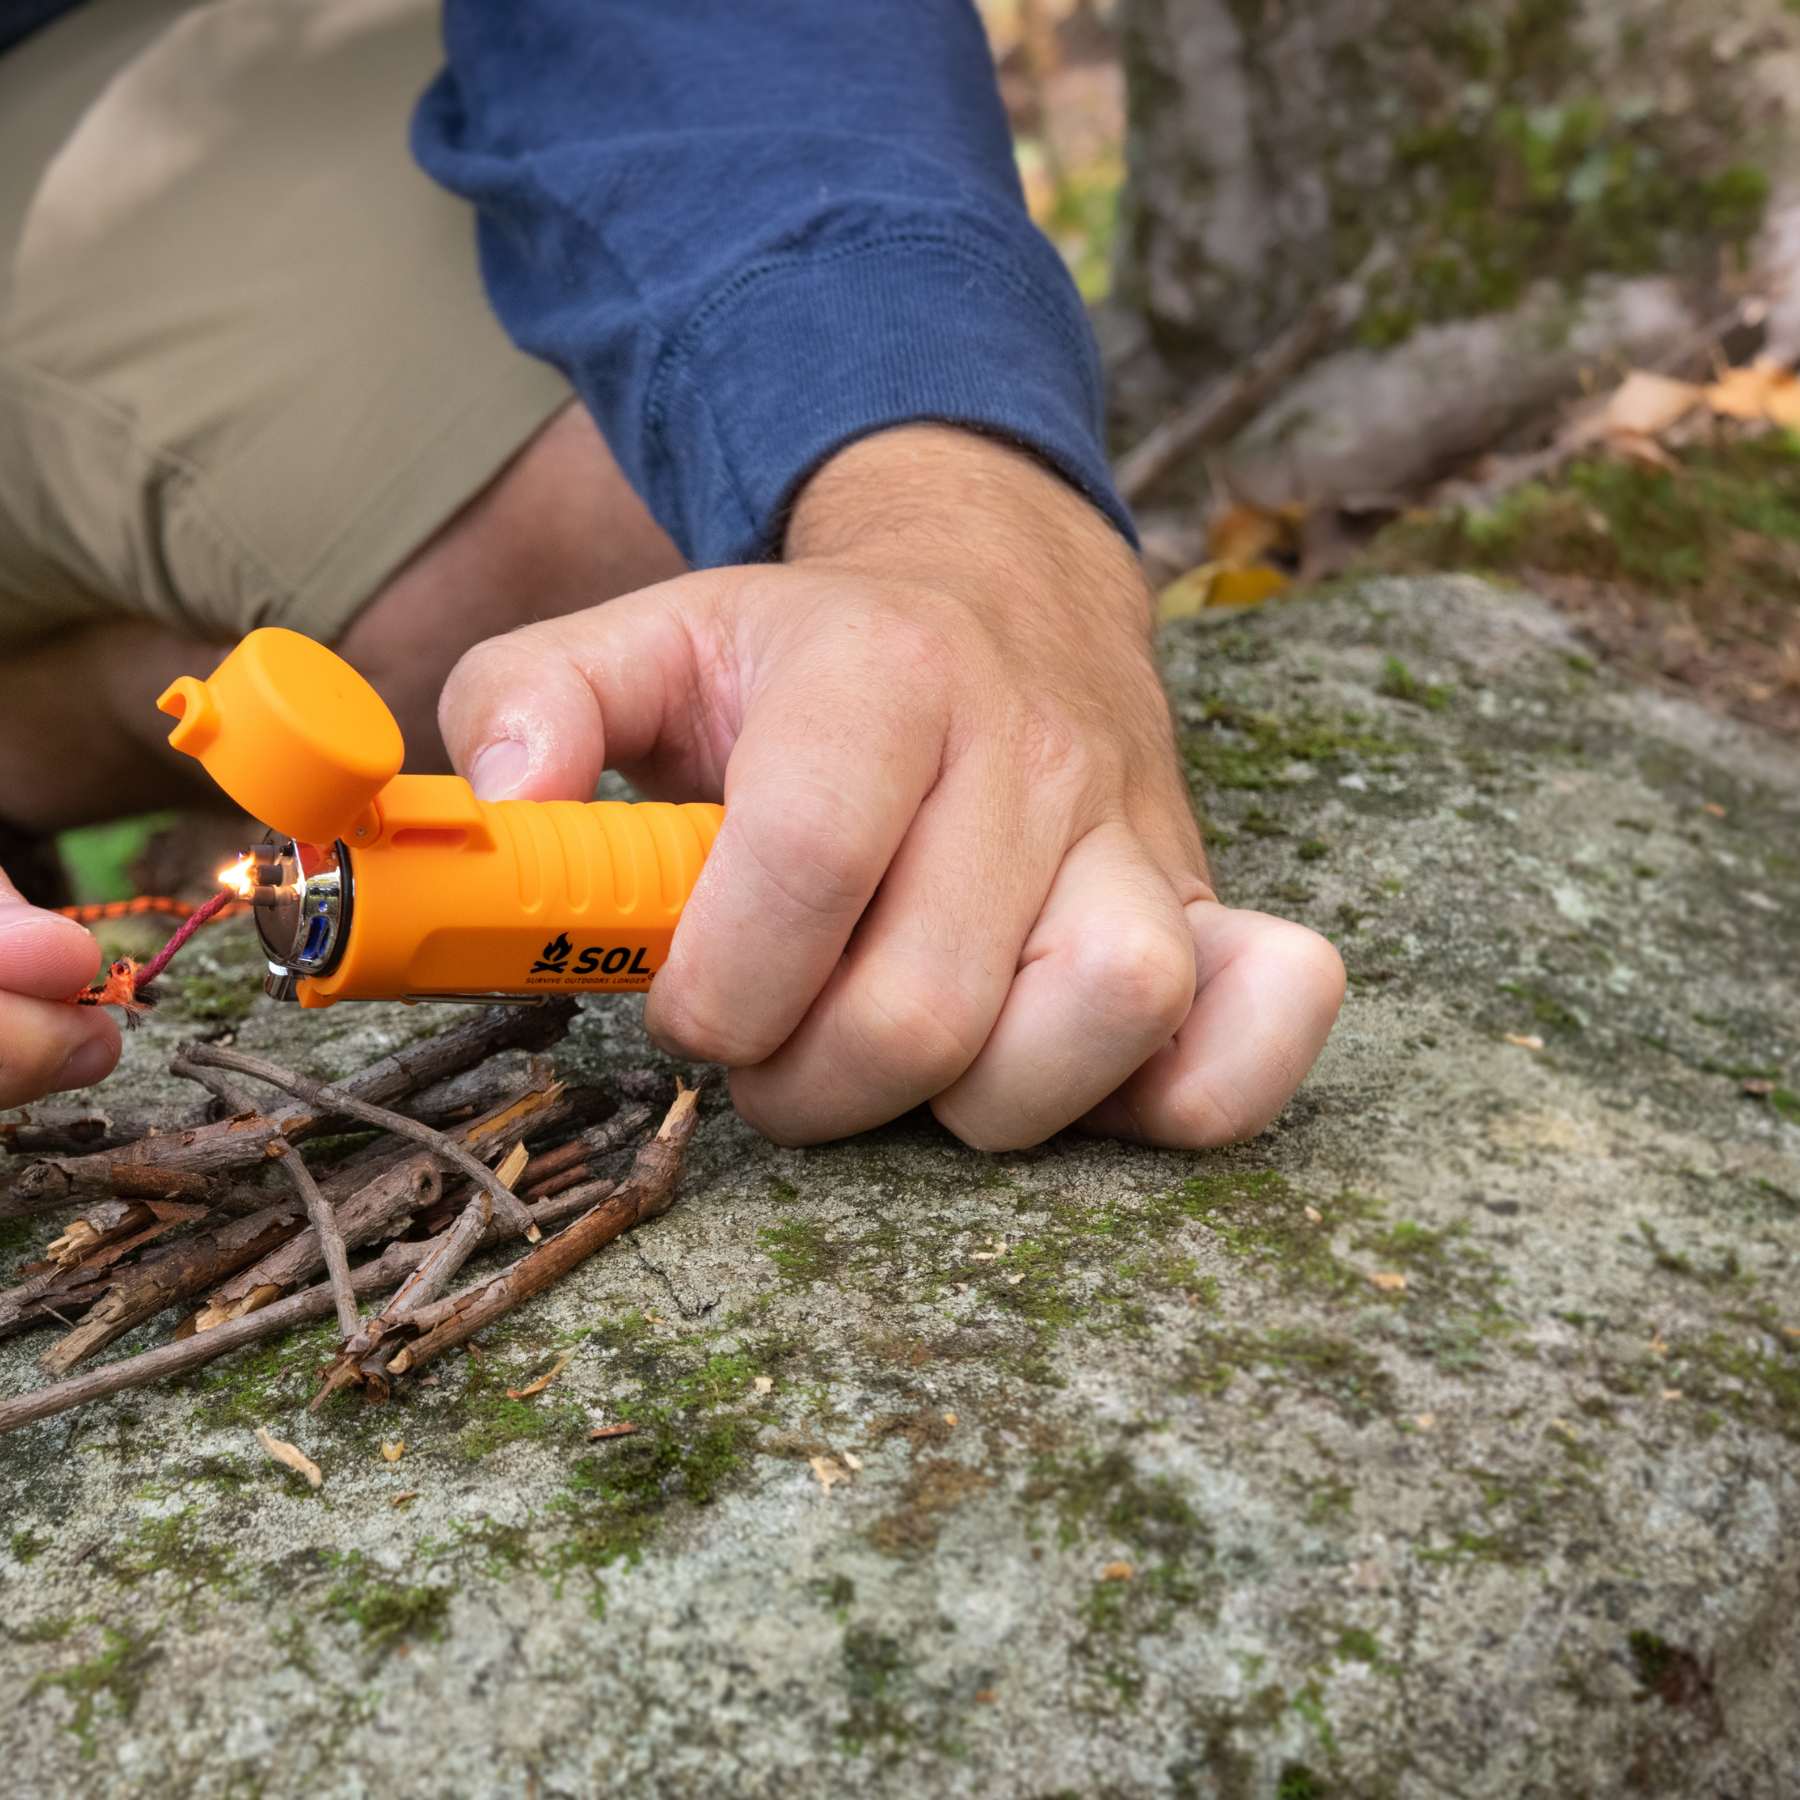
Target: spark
x,y
241,876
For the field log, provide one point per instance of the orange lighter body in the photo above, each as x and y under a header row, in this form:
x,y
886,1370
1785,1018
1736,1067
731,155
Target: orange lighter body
x,y
375,885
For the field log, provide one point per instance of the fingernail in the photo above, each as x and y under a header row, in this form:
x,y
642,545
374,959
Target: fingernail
x,y
92,1062
499,769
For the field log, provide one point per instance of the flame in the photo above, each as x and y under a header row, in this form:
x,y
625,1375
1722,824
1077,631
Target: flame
x,y
241,876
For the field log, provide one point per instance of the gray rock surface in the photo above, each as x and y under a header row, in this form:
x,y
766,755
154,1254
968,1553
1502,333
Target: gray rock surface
x,y
1156,1491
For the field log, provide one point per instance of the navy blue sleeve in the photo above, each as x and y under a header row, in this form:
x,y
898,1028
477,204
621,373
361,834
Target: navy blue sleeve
x,y
753,231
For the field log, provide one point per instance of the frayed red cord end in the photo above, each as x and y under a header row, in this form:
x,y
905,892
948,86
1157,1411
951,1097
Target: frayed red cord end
x,y
128,982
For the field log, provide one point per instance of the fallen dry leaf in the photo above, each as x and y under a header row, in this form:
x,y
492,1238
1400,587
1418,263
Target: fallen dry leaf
x,y
949,1418
1014,1280
290,1457
623,1429
1314,1216
1390,1281
764,1384
853,1462
1645,405
987,1696
1759,1090
828,1471
1525,1041
1117,1571
394,1451
1669,1394
544,1380
1712,809
1425,1421
1764,391
402,1498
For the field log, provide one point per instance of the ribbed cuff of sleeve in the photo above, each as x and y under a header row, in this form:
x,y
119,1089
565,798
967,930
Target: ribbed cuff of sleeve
x,y
803,354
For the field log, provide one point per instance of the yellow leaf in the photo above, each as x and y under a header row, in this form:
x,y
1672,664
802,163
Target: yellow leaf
x,y
1248,586
1117,1571
1187,594
1765,390
1244,534
290,1458
1389,1281
393,1452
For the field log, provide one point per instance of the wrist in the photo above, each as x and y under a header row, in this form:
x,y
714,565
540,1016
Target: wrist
x,y
937,502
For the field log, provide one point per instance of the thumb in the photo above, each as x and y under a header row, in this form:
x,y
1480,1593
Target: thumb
x,y
42,953
538,713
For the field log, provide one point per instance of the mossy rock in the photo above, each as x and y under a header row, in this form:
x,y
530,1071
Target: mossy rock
x,y
1152,1487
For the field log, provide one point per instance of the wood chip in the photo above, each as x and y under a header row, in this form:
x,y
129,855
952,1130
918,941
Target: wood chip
x,y
986,1696
950,1418
1390,1281
544,1380
1314,1216
853,1462
514,1166
828,1471
623,1429
1117,1571
1670,1394
764,1384
401,1499
394,1451
290,1457
1712,809
1524,1041
1425,1421
1759,1090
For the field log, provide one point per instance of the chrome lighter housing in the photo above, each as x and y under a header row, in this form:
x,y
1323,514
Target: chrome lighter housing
x,y
302,902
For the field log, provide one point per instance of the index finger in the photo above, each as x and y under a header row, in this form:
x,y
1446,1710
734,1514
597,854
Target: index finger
x,y
821,788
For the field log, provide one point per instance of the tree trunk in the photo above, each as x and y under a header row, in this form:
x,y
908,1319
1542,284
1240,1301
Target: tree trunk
x,y
1557,185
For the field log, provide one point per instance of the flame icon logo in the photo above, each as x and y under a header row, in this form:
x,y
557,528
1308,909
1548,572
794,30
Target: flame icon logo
x,y
556,956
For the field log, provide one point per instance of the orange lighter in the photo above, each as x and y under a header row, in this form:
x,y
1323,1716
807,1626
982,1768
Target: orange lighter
x,y
374,885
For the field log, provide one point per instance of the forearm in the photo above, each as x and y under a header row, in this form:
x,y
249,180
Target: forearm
x,y
752,235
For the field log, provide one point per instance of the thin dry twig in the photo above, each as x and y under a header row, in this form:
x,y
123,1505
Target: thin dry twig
x,y
329,1099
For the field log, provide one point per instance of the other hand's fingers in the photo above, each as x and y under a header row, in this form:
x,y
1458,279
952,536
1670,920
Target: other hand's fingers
x,y
915,997
1268,993
1106,979
840,748
46,1047
42,953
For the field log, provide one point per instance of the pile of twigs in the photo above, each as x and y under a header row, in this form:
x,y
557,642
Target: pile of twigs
x,y
478,1144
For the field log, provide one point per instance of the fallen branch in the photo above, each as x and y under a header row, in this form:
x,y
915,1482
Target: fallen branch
x,y
647,1192
326,1099
1221,411
553,1170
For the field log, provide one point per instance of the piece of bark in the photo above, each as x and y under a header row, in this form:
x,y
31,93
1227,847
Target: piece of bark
x,y
377,1276
177,1165
647,1192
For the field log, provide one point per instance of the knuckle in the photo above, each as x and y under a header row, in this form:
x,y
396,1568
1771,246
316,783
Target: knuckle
x,y
915,1032
1140,969
810,844
694,1033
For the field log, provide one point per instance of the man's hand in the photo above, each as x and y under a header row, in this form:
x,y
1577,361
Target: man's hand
x,y
958,863
45,1045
